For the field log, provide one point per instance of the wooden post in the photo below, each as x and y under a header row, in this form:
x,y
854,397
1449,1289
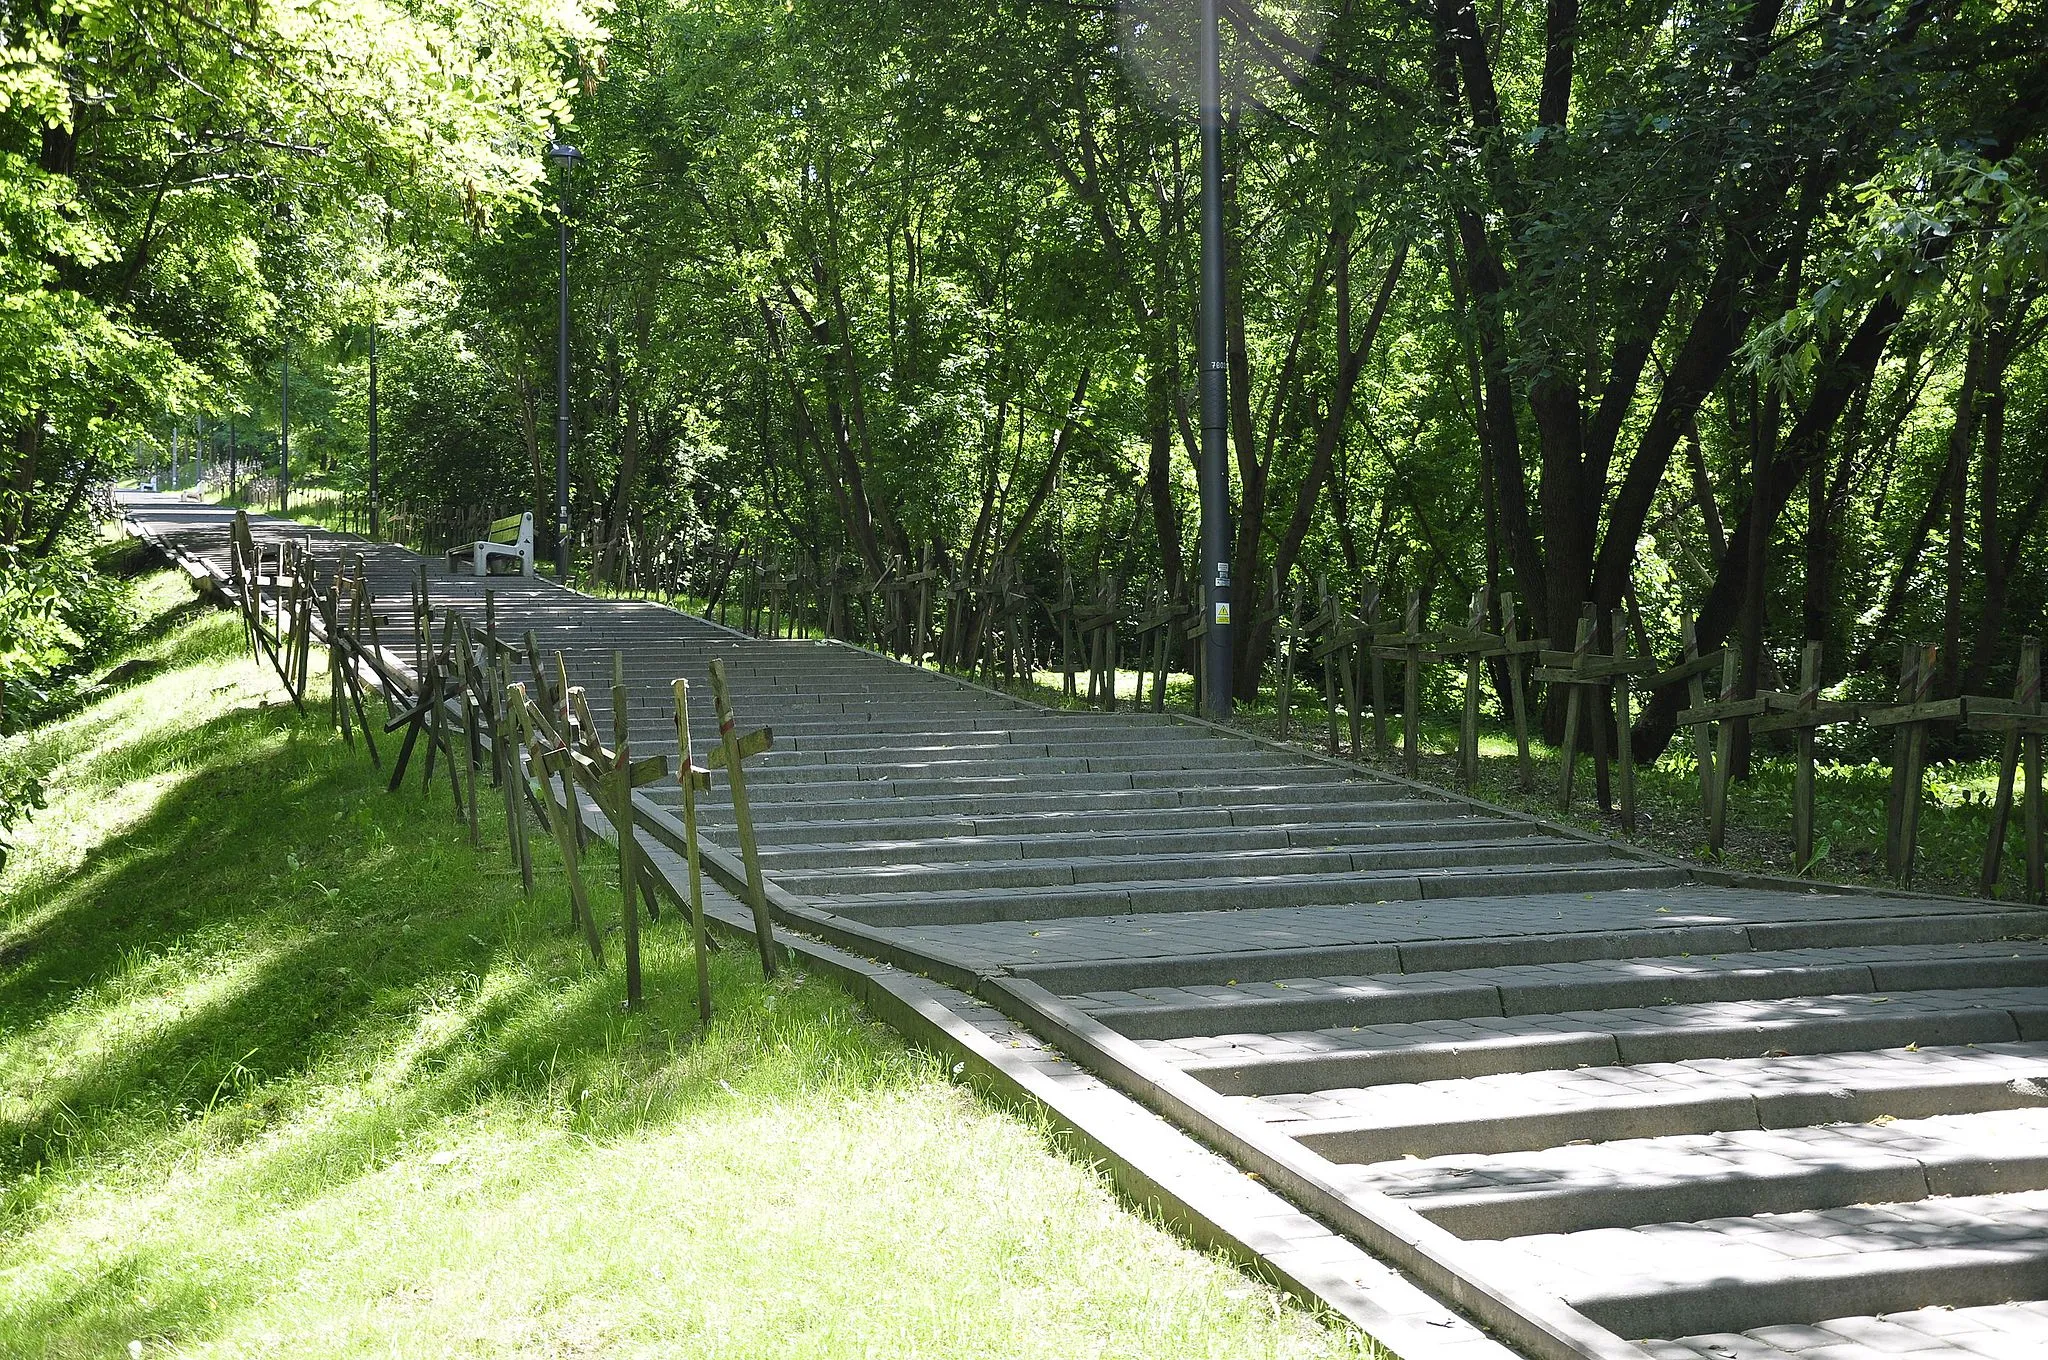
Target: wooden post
x,y
1367,659
422,620
1724,758
1696,691
692,780
2037,871
1910,717
1624,719
622,827
472,748
1284,699
494,694
1574,710
1411,687
2023,722
1468,722
507,756
732,748
1518,650
565,822
1802,770
1327,625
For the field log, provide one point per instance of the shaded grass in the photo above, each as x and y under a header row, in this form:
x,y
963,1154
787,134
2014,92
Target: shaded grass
x,y
287,1068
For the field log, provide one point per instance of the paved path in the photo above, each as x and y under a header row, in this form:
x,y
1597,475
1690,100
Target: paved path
x,y
1603,1108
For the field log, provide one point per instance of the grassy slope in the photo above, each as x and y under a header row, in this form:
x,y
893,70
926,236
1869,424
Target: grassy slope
x,y
287,1069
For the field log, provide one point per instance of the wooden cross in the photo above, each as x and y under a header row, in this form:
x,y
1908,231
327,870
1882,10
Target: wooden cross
x,y
731,756
1518,650
693,778
1692,670
1290,630
2024,723
1589,674
1808,713
1911,716
1413,648
548,761
1155,638
1475,644
1724,713
1097,626
1063,620
1336,638
621,811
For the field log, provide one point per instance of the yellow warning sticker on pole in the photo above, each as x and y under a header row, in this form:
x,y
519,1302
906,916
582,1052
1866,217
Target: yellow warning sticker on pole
x,y
1223,611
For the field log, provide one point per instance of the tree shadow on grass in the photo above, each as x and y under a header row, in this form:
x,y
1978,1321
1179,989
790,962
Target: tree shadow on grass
x,y
294,920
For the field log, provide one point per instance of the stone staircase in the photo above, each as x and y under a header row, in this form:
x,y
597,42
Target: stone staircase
x,y
1660,1117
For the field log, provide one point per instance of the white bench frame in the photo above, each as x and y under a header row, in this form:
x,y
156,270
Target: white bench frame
x,y
481,553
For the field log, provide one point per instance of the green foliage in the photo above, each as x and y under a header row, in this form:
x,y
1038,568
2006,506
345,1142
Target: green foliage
x,y
185,193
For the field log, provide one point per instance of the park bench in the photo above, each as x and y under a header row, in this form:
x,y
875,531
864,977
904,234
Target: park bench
x,y
511,537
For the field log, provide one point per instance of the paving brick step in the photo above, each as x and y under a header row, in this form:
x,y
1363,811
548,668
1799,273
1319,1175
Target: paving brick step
x,y
1532,989
1079,747
1063,820
842,746
1565,867
796,768
847,885
1348,800
1502,933
1531,1111
1629,1182
1369,1055
1998,1331
960,849
1736,1273
1067,783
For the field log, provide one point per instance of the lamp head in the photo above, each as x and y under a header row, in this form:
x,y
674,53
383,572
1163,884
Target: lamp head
x,y
563,155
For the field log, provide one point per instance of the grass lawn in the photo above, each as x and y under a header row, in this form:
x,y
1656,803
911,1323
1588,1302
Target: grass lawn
x,y
286,1068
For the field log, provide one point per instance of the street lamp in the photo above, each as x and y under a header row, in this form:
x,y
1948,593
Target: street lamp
x,y
564,157
373,423
284,436
1215,468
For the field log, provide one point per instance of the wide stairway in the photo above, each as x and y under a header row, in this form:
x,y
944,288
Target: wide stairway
x,y
1720,1123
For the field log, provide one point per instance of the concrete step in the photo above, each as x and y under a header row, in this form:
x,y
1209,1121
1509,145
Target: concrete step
x,y
846,885
1532,989
1530,1111
1998,1331
789,767
1174,819
1368,1055
1067,749
1063,783
962,849
1496,932
1628,1182
1737,1273
1567,867
1349,801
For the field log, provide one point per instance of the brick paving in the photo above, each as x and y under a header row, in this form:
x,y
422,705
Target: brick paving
x,y
1647,1115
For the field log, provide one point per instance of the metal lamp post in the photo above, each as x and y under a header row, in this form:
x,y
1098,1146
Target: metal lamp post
x,y
1215,468
284,438
564,157
373,424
